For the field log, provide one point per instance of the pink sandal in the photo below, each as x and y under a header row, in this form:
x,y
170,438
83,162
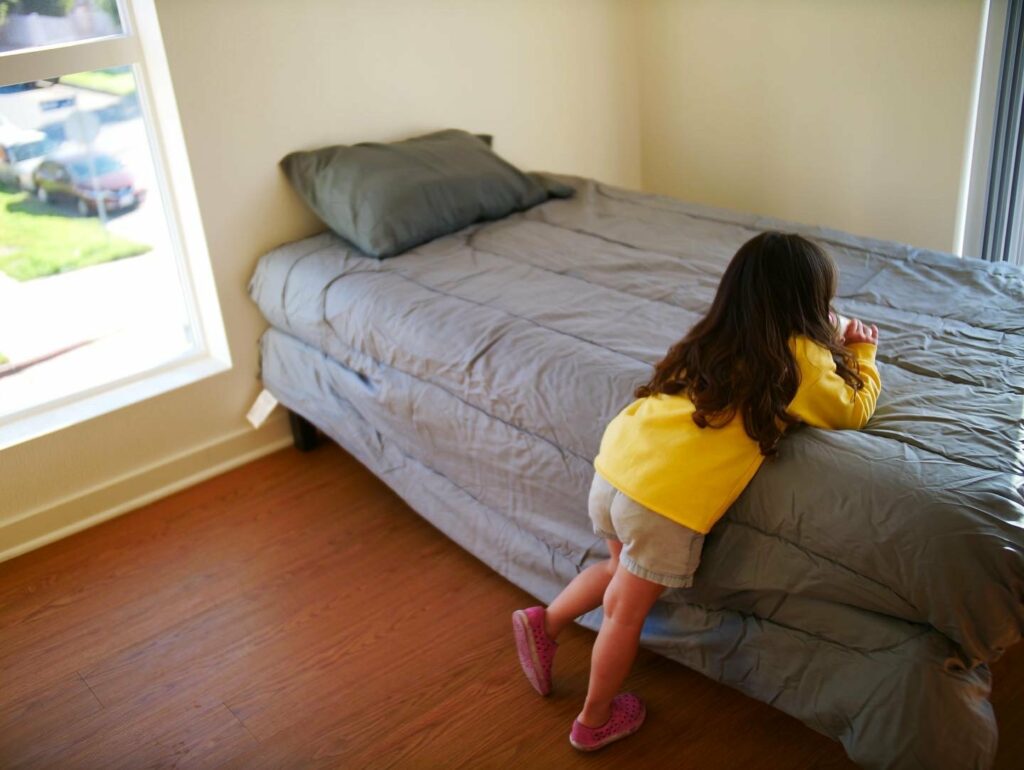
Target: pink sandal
x,y
628,713
536,649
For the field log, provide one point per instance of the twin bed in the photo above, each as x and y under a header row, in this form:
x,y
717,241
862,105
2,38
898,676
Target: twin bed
x,y
864,580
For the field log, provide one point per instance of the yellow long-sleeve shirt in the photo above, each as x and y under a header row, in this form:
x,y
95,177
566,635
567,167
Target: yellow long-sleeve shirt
x,y
654,453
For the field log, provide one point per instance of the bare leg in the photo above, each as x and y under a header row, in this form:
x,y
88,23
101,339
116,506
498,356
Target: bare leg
x,y
626,603
584,593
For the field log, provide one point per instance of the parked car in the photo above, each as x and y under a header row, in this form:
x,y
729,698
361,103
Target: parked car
x,y
84,180
21,151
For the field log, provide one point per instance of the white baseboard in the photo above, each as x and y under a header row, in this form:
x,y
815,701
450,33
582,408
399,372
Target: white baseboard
x,y
32,529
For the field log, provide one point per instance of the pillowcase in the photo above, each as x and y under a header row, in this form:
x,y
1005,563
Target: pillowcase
x,y
387,198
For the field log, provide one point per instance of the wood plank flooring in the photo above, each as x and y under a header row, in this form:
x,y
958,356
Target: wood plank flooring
x,y
295,613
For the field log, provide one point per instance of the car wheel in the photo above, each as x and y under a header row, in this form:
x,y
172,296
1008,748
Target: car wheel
x,y
83,208
42,195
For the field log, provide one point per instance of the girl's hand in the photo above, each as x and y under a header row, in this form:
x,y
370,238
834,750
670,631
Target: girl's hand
x,y
858,331
840,323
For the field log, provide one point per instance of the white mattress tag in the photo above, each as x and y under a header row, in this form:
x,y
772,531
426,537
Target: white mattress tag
x,y
261,408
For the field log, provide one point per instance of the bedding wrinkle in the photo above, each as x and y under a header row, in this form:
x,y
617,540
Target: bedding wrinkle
x,y
818,556
287,323
640,265
580,457
919,343
1006,276
474,374
920,258
518,317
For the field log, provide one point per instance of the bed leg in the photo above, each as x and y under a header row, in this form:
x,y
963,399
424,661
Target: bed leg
x,y
304,434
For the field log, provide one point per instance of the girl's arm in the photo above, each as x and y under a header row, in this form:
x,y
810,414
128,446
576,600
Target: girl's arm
x,y
824,400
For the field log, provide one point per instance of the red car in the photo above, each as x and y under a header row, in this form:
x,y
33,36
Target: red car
x,y
84,180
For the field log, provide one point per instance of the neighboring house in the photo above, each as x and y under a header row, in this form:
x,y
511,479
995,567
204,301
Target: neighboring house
x,y
81,22
46,106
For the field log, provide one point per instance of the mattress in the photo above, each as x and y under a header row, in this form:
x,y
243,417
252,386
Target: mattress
x,y
862,582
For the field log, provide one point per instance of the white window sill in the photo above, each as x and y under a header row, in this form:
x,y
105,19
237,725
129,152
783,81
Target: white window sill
x,y
145,382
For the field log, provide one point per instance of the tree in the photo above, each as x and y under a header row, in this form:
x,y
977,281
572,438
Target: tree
x,y
42,7
54,7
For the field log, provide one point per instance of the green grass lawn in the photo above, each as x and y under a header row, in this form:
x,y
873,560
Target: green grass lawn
x,y
115,82
37,239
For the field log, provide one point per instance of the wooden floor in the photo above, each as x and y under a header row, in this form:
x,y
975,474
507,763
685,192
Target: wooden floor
x,y
296,613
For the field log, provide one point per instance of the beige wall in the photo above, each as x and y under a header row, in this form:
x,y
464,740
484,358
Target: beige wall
x,y
554,82
846,113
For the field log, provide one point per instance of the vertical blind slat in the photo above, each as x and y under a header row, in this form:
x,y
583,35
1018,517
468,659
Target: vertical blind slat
x,y
1004,211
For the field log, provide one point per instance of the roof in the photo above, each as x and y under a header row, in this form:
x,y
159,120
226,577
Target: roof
x,y
12,134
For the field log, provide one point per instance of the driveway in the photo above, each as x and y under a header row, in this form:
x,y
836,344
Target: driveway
x,y
87,327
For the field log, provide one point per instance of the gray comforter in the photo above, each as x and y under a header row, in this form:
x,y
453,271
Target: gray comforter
x,y
862,582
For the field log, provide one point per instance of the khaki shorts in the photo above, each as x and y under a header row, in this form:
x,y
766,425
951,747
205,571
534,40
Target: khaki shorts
x,y
653,546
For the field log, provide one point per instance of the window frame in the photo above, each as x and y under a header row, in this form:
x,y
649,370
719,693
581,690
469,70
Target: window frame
x,y
140,45
969,237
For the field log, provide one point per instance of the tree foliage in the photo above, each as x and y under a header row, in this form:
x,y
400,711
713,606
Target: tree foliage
x,y
53,7
42,7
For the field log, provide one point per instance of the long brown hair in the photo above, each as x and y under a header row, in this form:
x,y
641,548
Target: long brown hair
x,y
737,358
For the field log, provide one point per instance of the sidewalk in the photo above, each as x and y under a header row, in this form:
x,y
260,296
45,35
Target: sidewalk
x,y
101,321
39,316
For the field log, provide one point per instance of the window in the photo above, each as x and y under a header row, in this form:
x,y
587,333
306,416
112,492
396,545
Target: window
x,y
992,211
106,291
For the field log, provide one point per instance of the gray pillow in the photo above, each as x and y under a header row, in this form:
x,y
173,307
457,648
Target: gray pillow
x,y
387,198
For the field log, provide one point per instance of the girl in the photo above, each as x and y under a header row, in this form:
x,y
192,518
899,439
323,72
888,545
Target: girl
x,y
767,355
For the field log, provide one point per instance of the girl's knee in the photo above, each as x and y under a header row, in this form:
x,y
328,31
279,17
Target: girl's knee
x,y
629,598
